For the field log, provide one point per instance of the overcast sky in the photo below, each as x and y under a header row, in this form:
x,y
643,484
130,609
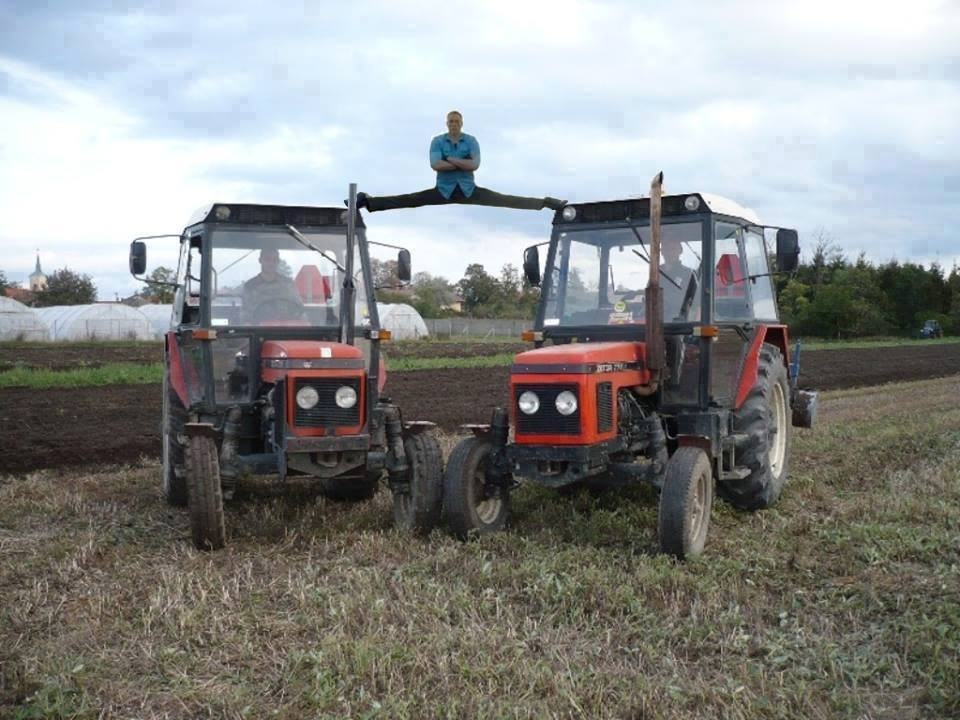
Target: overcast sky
x,y
119,119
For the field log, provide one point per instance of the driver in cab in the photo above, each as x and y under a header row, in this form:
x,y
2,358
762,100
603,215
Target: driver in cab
x,y
271,296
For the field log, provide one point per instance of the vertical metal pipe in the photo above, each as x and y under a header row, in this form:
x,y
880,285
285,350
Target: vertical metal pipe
x,y
656,349
347,311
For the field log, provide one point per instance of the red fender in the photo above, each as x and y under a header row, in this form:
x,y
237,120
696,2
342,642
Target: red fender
x,y
773,334
177,381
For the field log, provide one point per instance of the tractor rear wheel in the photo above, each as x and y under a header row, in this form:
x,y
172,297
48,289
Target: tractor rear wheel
x,y
205,493
351,487
763,421
171,430
470,505
685,503
418,508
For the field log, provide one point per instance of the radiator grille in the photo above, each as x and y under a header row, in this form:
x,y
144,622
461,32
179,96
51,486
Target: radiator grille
x,y
326,413
604,407
547,421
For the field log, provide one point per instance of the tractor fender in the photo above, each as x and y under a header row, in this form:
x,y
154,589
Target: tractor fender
x,y
776,335
177,380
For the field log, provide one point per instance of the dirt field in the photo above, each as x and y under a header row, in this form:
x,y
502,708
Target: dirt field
x,y
84,426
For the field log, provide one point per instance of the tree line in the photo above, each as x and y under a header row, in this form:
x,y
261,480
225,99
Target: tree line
x,y
829,296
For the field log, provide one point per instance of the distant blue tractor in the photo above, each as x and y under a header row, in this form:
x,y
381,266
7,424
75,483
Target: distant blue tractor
x,y
931,329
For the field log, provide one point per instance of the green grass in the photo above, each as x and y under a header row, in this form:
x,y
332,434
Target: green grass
x,y
108,374
843,601
821,344
406,363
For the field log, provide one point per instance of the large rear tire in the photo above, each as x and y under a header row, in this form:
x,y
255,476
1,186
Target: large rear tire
x,y
419,509
764,422
205,493
171,429
470,507
685,503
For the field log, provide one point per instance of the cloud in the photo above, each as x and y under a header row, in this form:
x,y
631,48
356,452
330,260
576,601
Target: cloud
x,y
837,115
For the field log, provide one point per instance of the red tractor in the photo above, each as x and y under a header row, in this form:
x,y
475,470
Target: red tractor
x,y
679,378
264,369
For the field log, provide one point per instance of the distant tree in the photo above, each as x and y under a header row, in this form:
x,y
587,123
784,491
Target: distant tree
x,y
480,291
159,294
432,295
4,283
384,273
65,287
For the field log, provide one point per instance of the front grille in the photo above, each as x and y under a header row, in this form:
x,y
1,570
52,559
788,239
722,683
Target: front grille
x,y
604,407
547,421
326,413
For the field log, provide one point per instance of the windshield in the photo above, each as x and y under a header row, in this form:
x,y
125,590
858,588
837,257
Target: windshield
x,y
267,278
599,275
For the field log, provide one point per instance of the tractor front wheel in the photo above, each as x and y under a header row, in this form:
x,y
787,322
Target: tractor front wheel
x,y
471,505
763,425
417,508
685,503
205,493
173,418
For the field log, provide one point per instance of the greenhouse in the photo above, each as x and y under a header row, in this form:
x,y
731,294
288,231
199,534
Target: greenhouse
x,y
101,321
18,322
403,321
159,317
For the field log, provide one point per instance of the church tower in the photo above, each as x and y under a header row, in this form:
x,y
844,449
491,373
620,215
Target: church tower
x,y
38,281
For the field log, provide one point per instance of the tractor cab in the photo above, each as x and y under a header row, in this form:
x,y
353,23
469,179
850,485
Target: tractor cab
x,y
714,273
273,364
659,357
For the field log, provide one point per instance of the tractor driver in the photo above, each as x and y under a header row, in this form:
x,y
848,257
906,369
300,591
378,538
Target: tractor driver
x,y
680,283
271,296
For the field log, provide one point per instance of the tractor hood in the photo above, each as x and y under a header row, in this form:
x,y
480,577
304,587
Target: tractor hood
x,y
583,358
278,357
308,350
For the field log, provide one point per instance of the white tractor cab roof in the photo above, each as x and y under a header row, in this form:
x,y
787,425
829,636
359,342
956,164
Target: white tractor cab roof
x,y
638,207
726,206
248,214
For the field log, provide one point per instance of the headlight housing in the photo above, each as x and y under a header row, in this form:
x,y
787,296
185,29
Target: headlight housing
x,y
308,397
528,402
566,403
568,213
345,397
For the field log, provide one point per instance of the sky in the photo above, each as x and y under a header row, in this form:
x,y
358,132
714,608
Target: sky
x,y
119,119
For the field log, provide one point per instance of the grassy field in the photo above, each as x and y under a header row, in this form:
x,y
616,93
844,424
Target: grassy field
x,y
108,374
844,601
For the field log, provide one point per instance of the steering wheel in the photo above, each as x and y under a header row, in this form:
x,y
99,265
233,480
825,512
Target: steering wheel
x,y
272,309
688,297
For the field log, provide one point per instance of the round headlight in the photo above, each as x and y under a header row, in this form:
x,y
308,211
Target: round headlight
x,y
343,217
222,212
307,397
568,213
345,397
528,402
692,203
566,403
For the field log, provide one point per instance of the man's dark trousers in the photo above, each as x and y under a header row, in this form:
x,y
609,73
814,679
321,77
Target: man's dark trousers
x,y
480,196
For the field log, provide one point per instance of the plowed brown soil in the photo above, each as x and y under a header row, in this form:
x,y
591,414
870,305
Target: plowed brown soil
x,y
121,423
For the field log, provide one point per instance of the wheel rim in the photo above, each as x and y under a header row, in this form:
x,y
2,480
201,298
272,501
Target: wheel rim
x,y
701,504
778,429
487,508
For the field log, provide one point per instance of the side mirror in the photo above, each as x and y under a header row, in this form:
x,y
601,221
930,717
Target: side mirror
x,y
138,257
531,265
788,250
403,266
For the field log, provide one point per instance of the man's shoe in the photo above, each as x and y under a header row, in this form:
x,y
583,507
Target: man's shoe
x,y
553,203
361,201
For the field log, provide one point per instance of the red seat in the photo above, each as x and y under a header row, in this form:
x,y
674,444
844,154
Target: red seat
x,y
729,280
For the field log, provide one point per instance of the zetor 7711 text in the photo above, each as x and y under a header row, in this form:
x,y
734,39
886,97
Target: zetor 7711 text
x,y
272,365
674,373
